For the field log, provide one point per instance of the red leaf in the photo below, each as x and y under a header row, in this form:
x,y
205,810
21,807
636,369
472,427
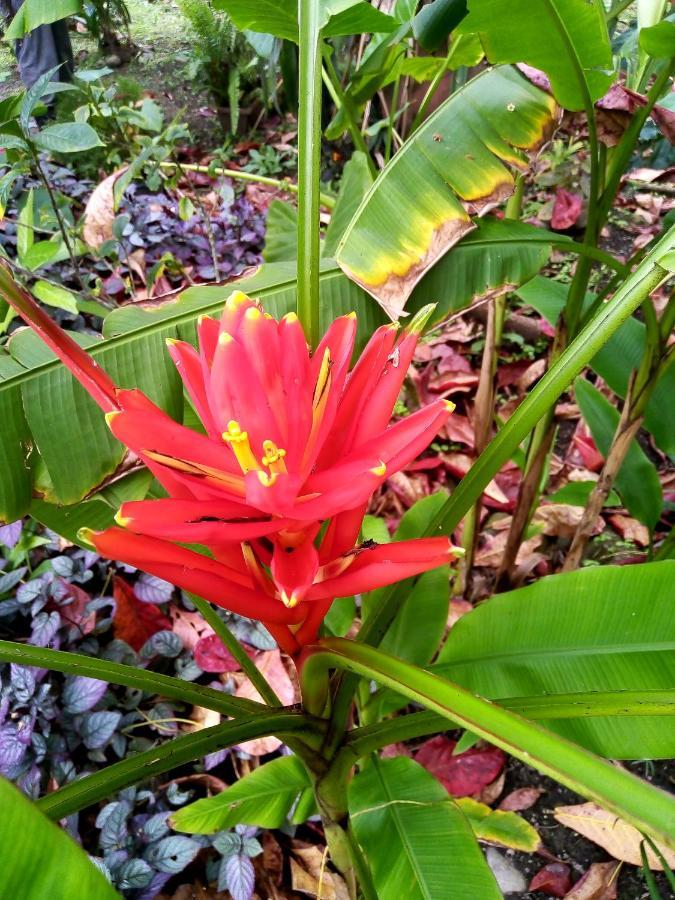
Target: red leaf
x,y
135,622
211,655
566,210
554,880
464,774
521,798
75,613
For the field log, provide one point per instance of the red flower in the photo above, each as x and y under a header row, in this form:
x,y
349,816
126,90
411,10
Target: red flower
x,y
295,443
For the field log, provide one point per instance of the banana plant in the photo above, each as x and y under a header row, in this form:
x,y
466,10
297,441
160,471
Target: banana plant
x,y
259,508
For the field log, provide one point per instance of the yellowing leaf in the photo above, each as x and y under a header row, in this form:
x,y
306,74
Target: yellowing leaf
x,y
617,837
499,827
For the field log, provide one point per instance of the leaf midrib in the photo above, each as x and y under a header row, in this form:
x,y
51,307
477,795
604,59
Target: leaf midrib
x,y
538,653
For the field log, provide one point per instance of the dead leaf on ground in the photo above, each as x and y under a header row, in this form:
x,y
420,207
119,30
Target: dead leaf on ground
x,y
630,529
561,519
202,718
99,213
189,626
212,784
598,883
520,799
310,875
620,839
272,668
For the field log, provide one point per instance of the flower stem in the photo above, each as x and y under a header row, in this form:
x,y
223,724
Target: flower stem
x,y
309,167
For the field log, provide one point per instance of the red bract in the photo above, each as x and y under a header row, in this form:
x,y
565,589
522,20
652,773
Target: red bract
x,y
276,490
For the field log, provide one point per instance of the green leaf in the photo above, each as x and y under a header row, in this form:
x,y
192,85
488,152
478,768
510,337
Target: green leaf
x,y
434,22
354,185
638,481
281,238
494,258
458,161
25,236
44,252
55,295
598,629
12,142
417,841
576,493
567,39
280,17
44,860
659,40
78,459
499,827
615,361
40,12
67,137
647,808
264,797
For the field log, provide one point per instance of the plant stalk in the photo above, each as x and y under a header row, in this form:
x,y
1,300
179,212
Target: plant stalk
x,y
309,168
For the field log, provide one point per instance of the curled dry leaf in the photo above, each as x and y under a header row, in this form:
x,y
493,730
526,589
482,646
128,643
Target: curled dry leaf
x,y
310,874
99,213
272,667
599,883
620,839
630,529
561,519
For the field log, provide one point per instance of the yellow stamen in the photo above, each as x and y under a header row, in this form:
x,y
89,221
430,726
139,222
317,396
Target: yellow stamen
x,y
238,440
450,406
323,381
235,299
267,480
380,470
111,416
123,521
288,602
274,457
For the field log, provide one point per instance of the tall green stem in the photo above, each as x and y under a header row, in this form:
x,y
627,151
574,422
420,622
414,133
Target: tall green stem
x,y
309,167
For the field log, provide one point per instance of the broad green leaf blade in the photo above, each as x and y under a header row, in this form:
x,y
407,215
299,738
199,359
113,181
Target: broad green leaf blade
x,y
615,361
67,137
598,629
281,238
44,861
40,12
648,809
264,797
417,841
638,481
25,237
55,295
459,162
434,22
67,430
496,257
567,39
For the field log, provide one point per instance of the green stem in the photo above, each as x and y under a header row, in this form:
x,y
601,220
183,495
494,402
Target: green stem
x,y
647,808
343,101
129,676
590,704
283,184
309,168
391,122
576,357
89,790
230,642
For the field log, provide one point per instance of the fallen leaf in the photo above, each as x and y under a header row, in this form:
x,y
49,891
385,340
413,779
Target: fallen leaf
x,y
272,668
75,613
189,626
521,798
492,791
99,213
458,608
310,875
555,879
202,718
134,621
620,839
212,784
561,519
464,774
630,529
566,210
211,655
598,883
